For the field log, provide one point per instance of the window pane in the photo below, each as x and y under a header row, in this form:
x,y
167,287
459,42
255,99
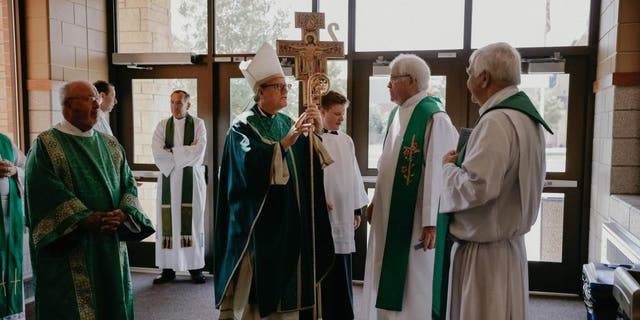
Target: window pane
x,y
152,103
337,71
380,105
544,240
409,25
147,197
241,97
549,92
542,23
335,12
162,26
243,28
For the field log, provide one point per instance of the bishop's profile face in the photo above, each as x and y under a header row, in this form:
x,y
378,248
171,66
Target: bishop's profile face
x,y
273,95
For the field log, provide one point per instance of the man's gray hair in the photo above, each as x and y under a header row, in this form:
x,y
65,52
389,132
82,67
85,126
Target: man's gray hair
x,y
415,67
500,59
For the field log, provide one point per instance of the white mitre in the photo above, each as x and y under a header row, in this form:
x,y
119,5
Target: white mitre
x,y
264,67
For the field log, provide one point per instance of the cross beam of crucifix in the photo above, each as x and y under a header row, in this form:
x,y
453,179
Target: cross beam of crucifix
x,y
310,55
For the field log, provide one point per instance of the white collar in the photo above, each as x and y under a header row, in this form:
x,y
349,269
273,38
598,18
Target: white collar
x,y
66,127
414,99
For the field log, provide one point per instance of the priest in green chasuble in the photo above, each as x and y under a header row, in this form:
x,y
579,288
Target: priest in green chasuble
x,y
12,230
81,205
263,249
397,281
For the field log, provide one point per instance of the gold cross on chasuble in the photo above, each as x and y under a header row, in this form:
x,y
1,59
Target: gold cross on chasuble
x,y
310,55
15,281
3,284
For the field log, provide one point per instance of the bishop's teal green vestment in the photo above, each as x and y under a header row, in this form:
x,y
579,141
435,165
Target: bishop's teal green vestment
x,y
261,210
80,274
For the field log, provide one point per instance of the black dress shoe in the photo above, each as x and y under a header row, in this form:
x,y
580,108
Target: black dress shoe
x,y
197,276
166,276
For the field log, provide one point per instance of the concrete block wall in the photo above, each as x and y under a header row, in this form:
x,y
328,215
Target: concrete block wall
x,y
66,40
615,182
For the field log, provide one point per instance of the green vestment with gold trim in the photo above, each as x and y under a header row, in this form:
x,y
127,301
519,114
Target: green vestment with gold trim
x,y
273,220
11,231
80,274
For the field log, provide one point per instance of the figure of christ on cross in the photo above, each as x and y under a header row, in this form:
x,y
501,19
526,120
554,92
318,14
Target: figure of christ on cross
x,y
310,55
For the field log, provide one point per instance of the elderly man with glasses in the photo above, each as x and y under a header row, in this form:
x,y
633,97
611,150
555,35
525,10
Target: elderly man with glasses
x,y
263,247
81,205
403,211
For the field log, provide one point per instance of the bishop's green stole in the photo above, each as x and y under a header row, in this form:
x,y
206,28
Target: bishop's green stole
x,y
186,239
403,204
519,102
11,243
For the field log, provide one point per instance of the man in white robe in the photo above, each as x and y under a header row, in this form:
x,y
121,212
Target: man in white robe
x,y
346,197
494,195
181,246
108,100
408,86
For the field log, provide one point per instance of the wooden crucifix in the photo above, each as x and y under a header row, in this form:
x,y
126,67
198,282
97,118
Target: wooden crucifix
x,y
310,55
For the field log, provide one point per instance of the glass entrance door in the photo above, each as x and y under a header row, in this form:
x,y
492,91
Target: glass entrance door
x,y
146,103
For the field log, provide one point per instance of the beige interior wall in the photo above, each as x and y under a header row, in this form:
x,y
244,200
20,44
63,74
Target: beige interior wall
x,y
615,182
66,40
8,119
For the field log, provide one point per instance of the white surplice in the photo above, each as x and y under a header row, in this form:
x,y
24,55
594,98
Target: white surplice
x,y
495,197
171,164
102,124
417,293
344,188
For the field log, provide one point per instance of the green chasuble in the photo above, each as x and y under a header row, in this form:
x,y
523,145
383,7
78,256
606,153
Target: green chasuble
x,y
11,230
403,205
80,274
272,219
444,243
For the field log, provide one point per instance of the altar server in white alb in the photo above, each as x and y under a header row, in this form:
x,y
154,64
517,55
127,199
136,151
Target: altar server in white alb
x,y
493,193
397,280
108,100
346,197
178,147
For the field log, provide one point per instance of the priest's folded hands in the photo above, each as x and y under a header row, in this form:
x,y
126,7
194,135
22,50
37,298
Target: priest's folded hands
x,y
7,168
103,222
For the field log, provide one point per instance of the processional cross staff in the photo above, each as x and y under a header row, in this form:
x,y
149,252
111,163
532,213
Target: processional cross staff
x,y
310,63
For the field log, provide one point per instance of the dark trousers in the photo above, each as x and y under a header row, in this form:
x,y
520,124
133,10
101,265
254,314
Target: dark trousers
x,y
337,290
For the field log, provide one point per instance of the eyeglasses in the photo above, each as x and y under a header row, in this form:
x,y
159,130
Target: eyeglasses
x,y
394,78
89,99
279,86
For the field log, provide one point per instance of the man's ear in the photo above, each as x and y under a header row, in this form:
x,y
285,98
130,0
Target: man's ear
x,y
485,78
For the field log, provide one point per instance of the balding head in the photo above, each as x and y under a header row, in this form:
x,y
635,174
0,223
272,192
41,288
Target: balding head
x,y
80,103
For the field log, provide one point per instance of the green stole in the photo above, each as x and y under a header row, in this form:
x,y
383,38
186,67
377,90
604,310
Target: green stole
x,y
519,102
186,239
403,203
11,243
